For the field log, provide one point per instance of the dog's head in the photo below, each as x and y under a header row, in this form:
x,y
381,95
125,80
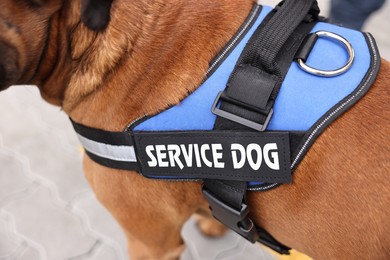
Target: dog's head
x,y
23,32
27,30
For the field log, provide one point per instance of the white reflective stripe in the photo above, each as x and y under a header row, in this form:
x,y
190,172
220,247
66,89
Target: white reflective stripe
x,y
113,152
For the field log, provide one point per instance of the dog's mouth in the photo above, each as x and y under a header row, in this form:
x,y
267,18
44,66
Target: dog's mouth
x,y
9,68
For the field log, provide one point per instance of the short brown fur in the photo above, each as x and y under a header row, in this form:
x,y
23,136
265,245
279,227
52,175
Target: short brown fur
x,y
151,55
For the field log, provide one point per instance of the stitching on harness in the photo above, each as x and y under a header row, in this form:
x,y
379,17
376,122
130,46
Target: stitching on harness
x,y
334,112
349,100
227,186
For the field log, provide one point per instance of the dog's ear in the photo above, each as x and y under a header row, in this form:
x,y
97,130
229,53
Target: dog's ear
x,y
95,14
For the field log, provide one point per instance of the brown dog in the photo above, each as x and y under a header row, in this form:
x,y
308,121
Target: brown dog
x,y
150,56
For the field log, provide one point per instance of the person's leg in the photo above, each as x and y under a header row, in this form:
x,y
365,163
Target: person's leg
x,y
353,13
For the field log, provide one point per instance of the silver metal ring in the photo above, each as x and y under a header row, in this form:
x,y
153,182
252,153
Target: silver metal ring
x,y
331,73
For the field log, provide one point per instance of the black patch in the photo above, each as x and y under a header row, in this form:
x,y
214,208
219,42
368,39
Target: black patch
x,y
167,155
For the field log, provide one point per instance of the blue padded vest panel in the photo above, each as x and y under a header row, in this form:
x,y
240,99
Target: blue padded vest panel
x,y
302,100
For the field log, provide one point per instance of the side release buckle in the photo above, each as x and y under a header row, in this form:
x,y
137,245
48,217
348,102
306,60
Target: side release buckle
x,y
243,121
237,220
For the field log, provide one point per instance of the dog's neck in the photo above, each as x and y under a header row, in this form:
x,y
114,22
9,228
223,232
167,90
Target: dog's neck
x,y
150,57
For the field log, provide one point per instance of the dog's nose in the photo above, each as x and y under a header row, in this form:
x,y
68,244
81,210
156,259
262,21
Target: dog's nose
x,y
8,65
6,80
3,78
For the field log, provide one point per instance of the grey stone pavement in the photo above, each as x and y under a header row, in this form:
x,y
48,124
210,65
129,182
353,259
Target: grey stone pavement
x,y
47,210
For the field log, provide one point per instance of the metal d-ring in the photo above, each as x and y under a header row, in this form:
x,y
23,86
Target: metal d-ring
x,y
331,73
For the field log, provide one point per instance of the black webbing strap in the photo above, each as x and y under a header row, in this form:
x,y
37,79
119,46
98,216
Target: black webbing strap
x,y
111,149
248,100
264,49
255,82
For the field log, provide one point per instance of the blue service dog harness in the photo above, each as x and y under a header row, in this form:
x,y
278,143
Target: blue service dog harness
x,y
255,116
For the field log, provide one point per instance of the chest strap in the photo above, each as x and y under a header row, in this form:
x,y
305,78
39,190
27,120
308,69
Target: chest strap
x,y
221,155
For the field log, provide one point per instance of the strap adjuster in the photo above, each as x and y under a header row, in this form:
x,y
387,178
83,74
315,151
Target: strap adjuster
x,y
236,220
243,121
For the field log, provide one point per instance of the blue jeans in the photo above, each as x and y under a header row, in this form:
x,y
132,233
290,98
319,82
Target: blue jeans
x,y
353,13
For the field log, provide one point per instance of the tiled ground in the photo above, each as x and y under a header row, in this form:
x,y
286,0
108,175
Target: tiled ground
x,y
47,210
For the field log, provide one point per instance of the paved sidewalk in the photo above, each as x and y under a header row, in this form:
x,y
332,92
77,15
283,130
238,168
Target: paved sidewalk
x,y
47,210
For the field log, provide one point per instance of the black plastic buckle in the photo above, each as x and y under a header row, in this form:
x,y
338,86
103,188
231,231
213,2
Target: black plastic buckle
x,y
237,220
254,125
